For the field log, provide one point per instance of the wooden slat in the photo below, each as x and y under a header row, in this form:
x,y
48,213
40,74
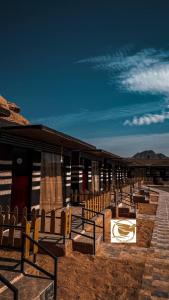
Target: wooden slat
x,y
36,234
1,228
70,219
43,219
7,210
24,212
88,208
27,241
16,214
95,206
11,236
66,222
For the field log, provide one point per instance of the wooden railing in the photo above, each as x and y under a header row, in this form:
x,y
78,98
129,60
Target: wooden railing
x,y
80,197
97,204
37,222
29,248
11,229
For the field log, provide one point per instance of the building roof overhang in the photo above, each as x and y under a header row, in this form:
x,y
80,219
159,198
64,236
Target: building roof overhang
x,y
104,154
163,162
45,134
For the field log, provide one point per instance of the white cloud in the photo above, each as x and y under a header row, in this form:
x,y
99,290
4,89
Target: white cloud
x,y
147,119
146,71
153,79
122,112
128,145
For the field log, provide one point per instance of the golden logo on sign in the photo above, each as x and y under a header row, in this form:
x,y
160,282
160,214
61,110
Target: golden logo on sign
x,y
124,230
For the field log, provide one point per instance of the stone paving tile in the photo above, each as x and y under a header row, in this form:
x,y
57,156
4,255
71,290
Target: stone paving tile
x,y
155,284
157,298
161,285
160,294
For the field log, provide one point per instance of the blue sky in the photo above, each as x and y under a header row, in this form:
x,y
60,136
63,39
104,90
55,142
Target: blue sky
x,y
98,70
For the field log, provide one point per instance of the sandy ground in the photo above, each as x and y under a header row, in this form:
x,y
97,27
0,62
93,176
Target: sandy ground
x,y
147,208
144,232
98,278
115,273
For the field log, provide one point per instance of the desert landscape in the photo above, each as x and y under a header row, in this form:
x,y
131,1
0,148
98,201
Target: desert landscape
x,y
115,272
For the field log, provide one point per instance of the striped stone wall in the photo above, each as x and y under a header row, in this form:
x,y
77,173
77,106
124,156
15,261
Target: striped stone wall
x,y
77,171
89,177
101,177
67,180
36,180
5,181
77,177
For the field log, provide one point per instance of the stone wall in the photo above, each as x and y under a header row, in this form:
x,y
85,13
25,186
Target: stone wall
x,y
10,114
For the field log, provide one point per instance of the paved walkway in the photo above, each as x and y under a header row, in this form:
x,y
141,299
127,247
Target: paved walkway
x,y
155,284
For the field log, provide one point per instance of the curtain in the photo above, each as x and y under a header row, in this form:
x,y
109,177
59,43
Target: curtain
x,y
51,182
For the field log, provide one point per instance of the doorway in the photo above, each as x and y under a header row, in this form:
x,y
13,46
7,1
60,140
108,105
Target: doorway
x,y
21,179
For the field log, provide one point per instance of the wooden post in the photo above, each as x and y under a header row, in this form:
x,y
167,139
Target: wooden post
x,y
66,217
27,242
69,225
116,203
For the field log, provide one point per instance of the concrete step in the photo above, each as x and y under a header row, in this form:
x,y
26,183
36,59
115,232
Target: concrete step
x,y
31,285
86,245
10,268
31,288
13,277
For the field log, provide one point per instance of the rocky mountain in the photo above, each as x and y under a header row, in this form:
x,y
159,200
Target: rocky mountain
x,y
10,113
149,154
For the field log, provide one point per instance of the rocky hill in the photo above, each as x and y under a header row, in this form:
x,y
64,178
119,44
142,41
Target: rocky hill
x,y
10,113
148,154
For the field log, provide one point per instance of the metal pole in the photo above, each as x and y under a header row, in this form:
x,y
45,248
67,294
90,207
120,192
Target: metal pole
x,y
55,279
103,227
82,217
94,237
22,251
